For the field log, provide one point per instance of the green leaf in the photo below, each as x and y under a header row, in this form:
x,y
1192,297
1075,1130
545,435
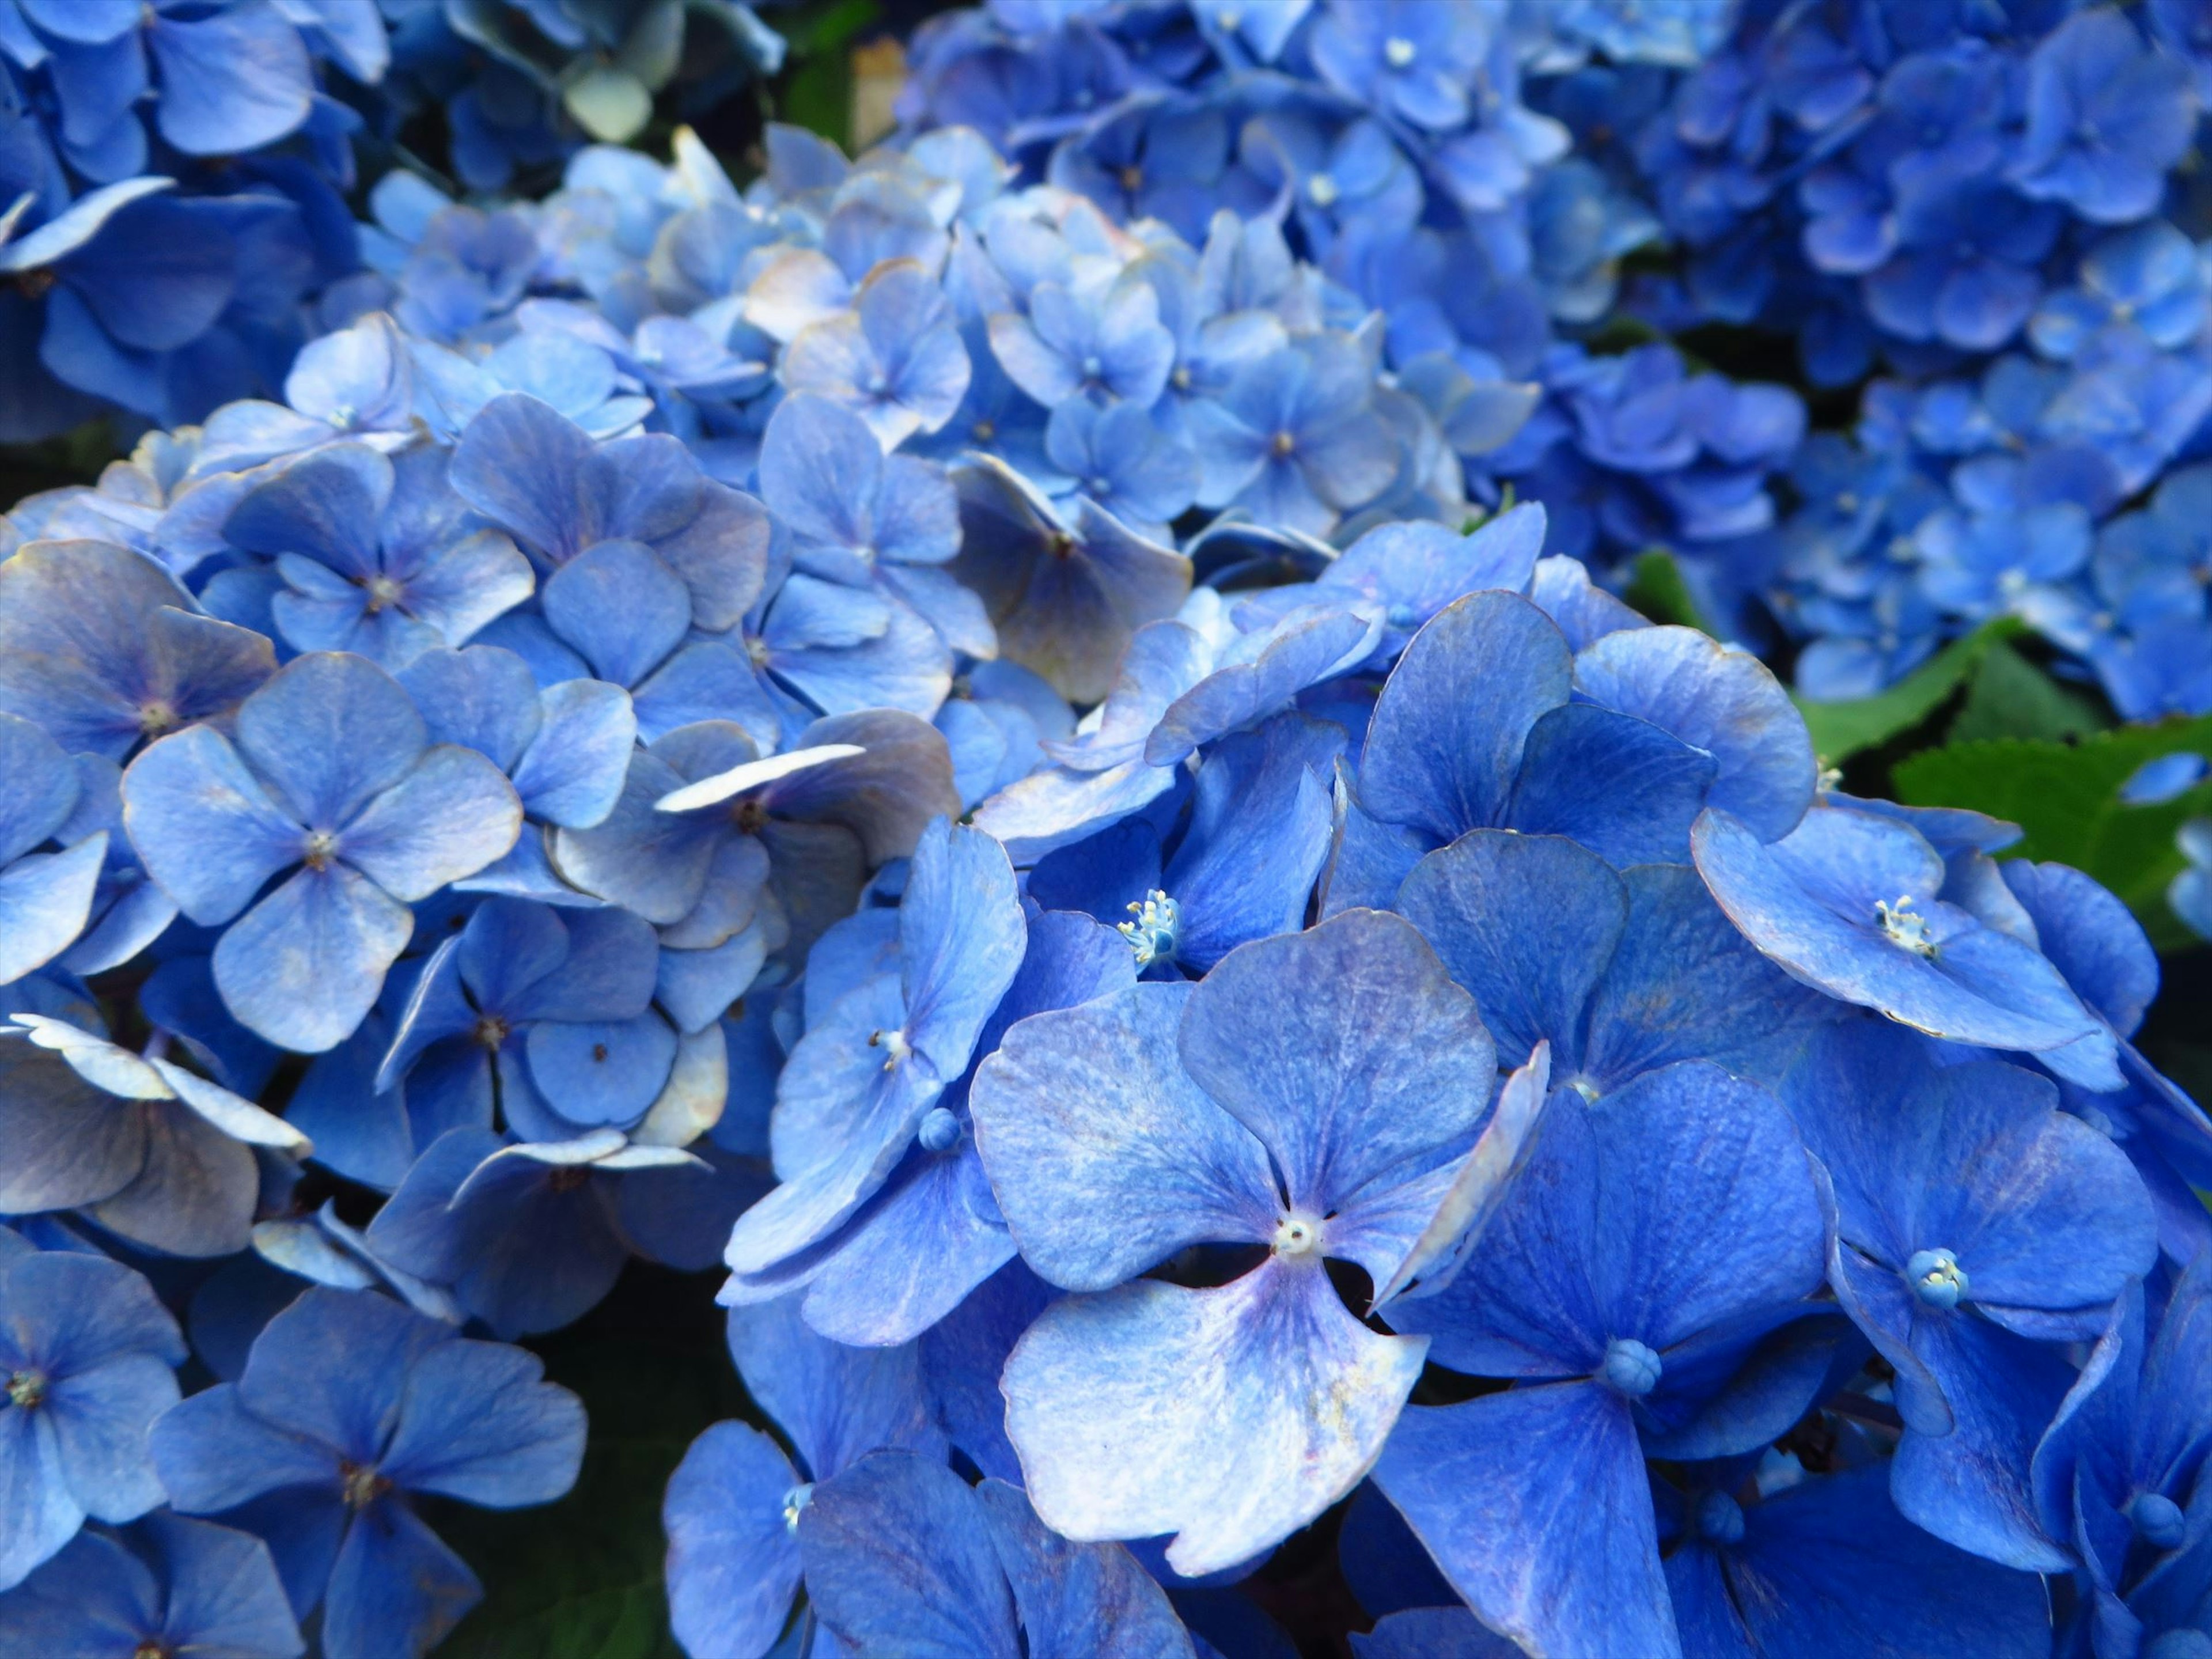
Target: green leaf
x,y
2066,797
2011,697
1659,591
1841,730
581,1578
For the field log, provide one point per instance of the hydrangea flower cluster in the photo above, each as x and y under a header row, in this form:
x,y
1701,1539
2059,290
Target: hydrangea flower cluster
x,y
1037,784
1991,209
174,175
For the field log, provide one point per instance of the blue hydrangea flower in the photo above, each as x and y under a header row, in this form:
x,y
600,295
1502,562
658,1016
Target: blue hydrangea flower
x,y
1645,1282
1119,1134
1480,727
734,1504
895,358
1102,341
858,516
536,474
104,650
1850,903
1294,438
2118,1471
1259,833
1991,1224
932,1232
2107,116
89,1357
350,1402
1402,57
861,1087
556,1009
331,777
377,557
171,1585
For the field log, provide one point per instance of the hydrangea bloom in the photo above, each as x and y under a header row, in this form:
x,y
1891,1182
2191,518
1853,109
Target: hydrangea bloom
x,y
1023,753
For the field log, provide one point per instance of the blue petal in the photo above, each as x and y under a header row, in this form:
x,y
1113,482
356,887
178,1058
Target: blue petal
x,y
207,830
1355,1093
1654,785
961,939
1445,743
1105,1157
1482,1483
45,900
732,1566
572,772
896,1554
480,1424
304,966
1260,673
451,815
619,607
327,732
836,1403
1074,1598
1718,699
1529,925
232,81
1118,1404
396,1588
1260,831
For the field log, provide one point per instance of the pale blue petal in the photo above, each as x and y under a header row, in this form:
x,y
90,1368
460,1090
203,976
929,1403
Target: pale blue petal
x,y
1117,1404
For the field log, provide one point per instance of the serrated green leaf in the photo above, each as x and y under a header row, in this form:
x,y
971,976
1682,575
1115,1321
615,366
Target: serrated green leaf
x,y
2010,697
1841,730
581,1578
2067,797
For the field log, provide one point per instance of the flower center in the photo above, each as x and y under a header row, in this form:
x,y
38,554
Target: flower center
x,y
383,593
1092,367
939,1130
361,1484
1152,934
795,1502
157,716
1322,189
1398,52
491,1030
1132,179
1937,1278
153,1647
894,1045
318,849
1904,926
1284,442
27,1388
1297,1236
1631,1368
986,431
568,1176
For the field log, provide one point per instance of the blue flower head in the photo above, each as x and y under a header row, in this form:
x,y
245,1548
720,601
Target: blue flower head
x,y
332,778
349,1404
1241,1110
87,1363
